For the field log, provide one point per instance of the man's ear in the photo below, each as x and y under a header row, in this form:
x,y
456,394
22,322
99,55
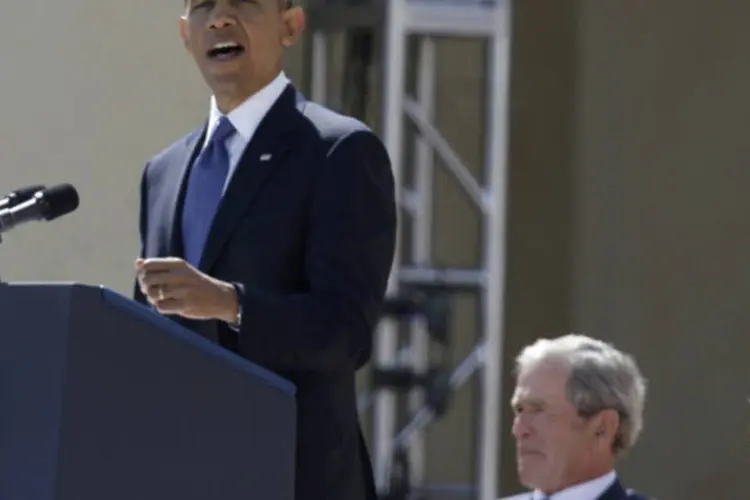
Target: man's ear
x,y
294,25
184,32
606,425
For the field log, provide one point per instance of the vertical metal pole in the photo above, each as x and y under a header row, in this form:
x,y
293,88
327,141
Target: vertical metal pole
x,y
422,241
496,167
384,404
319,80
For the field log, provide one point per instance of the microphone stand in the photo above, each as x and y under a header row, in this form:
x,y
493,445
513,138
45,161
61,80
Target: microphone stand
x,y
2,283
1,241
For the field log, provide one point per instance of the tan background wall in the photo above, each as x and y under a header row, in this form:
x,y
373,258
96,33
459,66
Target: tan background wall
x,y
627,207
89,90
643,189
662,236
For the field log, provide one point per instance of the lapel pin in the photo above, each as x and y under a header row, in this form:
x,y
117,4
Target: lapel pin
x,y
265,157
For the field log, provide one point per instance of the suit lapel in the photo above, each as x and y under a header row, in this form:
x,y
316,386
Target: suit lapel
x,y
181,163
261,158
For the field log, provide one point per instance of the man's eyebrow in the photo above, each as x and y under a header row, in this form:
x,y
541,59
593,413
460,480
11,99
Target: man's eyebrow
x,y
535,402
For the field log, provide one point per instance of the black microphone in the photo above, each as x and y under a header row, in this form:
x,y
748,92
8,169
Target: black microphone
x,y
44,205
19,196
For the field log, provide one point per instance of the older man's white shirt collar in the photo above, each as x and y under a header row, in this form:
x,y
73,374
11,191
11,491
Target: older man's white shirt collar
x,y
590,490
247,116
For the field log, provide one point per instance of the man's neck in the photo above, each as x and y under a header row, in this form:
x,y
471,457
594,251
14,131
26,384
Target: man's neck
x,y
229,98
228,103
580,479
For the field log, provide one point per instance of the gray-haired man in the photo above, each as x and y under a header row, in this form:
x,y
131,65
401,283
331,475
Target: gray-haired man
x,y
578,405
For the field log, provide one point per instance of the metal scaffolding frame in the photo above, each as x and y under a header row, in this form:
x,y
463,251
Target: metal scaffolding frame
x,y
488,19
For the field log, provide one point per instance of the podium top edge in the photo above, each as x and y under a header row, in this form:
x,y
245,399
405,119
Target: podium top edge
x,y
171,328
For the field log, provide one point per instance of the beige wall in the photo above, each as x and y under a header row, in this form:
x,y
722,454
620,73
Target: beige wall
x,y
627,207
89,90
629,157
662,236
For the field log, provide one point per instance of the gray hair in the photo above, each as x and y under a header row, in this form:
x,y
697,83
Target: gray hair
x,y
601,378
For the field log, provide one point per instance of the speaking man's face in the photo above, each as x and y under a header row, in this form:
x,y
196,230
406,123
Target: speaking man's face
x,y
239,44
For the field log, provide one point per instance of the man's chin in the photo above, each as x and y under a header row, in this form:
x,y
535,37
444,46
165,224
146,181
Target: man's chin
x,y
232,69
225,71
529,471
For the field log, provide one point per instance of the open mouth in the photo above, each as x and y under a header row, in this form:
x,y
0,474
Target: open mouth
x,y
223,51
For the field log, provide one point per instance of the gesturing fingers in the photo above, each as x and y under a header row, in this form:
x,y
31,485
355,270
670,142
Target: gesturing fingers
x,y
161,292
175,278
169,306
161,264
173,286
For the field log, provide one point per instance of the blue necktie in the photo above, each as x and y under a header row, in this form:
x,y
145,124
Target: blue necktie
x,y
204,192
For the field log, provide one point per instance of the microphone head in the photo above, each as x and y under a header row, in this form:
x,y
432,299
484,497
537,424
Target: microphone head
x,y
58,201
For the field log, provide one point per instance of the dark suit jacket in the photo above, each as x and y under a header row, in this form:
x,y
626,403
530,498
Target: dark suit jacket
x,y
309,236
615,492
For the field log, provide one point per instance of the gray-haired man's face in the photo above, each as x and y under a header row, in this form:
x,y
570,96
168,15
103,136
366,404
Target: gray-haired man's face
x,y
554,445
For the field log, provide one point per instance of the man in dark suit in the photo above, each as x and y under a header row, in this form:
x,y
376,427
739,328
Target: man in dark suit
x,y
271,230
578,406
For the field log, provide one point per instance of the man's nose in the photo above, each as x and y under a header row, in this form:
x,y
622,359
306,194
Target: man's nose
x,y
520,428
221,22
222,18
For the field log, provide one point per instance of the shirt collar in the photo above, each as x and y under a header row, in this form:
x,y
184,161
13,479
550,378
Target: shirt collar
x,y
590,490
247,116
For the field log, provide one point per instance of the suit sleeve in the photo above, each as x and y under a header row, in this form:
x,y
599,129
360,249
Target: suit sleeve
x,y
348,259
142,224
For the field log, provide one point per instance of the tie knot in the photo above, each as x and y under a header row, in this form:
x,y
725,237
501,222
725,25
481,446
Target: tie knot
x,y
223,130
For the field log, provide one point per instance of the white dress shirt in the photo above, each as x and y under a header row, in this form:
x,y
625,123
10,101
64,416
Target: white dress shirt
x,y
246,118
590,490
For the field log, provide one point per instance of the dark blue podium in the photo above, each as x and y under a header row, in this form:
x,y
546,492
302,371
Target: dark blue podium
x,y
103,399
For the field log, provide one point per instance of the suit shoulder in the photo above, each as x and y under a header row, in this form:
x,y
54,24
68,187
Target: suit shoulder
x,y
330,126
162,157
